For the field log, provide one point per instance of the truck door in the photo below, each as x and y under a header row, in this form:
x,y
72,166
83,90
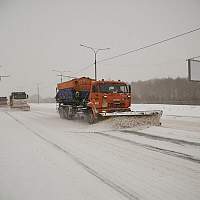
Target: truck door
x,y
94,96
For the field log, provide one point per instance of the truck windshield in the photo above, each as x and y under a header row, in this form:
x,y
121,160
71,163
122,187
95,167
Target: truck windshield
x,y
19,96
113,88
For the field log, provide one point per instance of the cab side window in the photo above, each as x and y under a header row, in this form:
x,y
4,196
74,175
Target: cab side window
x,y
94,88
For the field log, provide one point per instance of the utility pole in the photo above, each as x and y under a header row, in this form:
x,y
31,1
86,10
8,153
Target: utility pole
x,y
61,74
3,76
95,51
61,77
38,93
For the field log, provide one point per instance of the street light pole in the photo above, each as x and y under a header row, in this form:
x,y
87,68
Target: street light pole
x,y
95,65
95,51
61,74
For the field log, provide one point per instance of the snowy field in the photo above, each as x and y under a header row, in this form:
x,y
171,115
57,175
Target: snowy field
x,y
43,157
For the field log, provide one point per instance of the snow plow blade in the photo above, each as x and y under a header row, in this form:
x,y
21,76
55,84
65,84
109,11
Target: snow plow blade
x,y
134,118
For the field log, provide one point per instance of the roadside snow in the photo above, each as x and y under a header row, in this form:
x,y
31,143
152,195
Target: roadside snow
x,y
45,157
174,110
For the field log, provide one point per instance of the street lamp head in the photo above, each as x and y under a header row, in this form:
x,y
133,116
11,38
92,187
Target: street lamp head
x,y
95,51
105,49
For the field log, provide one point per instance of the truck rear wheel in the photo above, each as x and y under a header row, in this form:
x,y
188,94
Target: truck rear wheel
x,y
68,115
61,113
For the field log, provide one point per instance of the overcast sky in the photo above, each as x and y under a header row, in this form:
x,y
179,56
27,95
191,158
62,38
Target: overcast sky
x,y
37,36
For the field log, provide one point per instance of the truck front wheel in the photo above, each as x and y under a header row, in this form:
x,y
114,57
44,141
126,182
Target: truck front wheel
x,y
90,117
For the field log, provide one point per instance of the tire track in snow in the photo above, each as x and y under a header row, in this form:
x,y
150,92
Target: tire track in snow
x,y
156,137
149,147
183,116
91,171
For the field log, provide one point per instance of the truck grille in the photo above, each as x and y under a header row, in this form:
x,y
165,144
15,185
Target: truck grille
x,y
116,105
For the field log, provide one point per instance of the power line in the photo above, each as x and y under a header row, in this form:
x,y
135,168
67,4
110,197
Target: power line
x,y
68,76
150,45
95,51
61,74
193,58
141,48
83,69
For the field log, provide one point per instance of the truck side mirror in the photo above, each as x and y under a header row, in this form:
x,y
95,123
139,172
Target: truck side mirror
x,y
27,96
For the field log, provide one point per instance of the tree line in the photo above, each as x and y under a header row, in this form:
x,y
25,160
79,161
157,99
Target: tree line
x,y
166,91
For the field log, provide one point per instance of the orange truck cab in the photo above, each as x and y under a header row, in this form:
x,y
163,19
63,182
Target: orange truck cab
x,y
110,96
91,98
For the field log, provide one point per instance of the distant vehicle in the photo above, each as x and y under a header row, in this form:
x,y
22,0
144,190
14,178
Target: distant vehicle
x,y
3,101
91,99
18,100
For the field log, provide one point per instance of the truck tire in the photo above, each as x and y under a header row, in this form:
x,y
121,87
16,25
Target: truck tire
x,y
67,113
90,117
61,113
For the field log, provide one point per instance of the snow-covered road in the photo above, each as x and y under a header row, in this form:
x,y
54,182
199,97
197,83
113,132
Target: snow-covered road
x,y
45,157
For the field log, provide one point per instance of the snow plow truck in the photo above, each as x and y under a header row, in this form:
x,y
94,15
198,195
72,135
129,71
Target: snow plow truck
x,y
93,100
